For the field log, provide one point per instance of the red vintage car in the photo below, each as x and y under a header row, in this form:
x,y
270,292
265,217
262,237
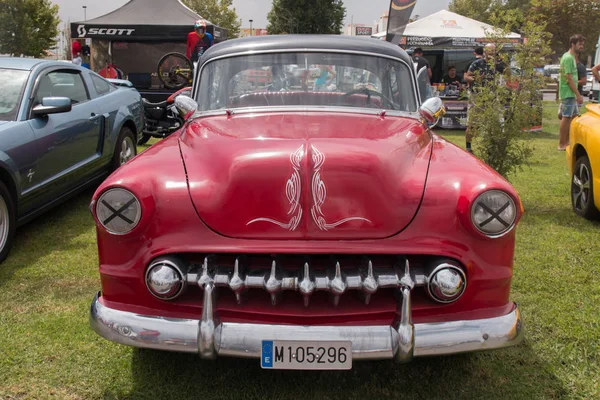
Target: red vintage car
x,y
307,229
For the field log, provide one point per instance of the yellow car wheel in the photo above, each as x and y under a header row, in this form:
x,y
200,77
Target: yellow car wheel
x,y
582,190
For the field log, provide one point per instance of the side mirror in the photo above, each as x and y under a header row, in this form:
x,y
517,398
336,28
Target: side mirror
x,y
52,105
185,105
431,110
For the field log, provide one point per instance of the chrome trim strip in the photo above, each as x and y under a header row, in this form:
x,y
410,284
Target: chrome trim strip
x,y
367,280
130,329
445,338
348,110
244,340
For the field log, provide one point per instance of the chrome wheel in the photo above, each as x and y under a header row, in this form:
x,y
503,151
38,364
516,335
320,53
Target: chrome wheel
x,y
580,188
4,223
127,150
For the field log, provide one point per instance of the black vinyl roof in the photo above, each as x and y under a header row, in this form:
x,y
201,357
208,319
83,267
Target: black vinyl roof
x,y
306,43
148,12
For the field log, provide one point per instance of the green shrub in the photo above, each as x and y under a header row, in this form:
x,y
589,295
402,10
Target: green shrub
x,y
511,104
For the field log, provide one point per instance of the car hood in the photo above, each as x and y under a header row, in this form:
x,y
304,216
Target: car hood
x,y
306,175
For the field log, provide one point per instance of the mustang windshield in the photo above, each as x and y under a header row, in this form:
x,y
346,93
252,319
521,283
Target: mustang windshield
x,y
306,79
12,82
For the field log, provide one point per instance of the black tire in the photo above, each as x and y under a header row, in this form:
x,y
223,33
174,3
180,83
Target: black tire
x,y
125,148
7,216
143,139
168,77
582,190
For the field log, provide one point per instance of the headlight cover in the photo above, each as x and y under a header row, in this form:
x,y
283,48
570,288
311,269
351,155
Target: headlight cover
x,y
119,211
494,213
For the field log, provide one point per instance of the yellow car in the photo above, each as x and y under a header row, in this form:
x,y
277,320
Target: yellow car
x,y
583,159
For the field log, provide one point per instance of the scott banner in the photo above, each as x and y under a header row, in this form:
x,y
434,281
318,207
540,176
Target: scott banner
x,y
399,15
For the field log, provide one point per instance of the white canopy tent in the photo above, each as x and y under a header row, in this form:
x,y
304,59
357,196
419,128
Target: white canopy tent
x,y
447,29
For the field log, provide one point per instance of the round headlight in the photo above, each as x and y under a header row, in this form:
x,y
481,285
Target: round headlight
x,y
165,280
118,210
494,213
446,283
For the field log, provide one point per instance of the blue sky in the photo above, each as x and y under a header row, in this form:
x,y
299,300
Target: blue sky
x,y
363,11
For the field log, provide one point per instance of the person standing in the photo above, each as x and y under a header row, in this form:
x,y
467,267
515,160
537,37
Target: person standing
x,y
481,72
198,41
582,75
421,61
570,98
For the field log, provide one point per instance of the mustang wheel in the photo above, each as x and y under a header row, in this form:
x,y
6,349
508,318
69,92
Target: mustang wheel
x,y
7,221
125,149
582,189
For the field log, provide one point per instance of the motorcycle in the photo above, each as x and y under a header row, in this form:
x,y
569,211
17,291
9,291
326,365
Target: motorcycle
x,y
163,118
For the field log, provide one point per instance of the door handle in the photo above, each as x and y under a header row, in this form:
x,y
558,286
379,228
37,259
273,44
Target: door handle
x,y
95,117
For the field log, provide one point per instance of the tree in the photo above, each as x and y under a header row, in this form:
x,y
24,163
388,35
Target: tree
x,y
219,12
29,27
487,10
476,9
306,16
507,106
565,18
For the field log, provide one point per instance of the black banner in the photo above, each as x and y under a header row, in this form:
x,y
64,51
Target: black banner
x,y
448,42
141,33
399,15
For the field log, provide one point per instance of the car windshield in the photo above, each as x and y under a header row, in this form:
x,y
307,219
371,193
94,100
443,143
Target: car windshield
x,y
306,79
12,83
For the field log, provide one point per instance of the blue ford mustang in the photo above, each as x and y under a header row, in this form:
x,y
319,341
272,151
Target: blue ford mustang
x,y
62,128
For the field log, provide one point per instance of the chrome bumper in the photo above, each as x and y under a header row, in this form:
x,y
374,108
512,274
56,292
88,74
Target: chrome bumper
x,y
211,339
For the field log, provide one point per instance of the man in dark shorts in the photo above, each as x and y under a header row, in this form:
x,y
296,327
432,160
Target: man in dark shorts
x,y
421,61
487,66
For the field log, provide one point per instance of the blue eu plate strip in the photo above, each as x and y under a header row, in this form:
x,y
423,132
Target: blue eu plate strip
x,y
267,354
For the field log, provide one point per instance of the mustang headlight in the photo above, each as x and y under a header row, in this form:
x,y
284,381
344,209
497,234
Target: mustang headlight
x,y
118,210
494,213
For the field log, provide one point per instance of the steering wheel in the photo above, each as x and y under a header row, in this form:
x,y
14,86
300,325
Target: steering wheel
x,y
369,93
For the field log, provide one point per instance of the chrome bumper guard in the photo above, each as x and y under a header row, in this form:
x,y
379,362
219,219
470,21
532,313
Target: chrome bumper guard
x,y
211,338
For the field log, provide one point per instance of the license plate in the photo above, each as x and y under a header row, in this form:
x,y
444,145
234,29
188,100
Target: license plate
x,y
292,354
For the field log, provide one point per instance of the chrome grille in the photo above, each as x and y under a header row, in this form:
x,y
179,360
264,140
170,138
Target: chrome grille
x,y
337,279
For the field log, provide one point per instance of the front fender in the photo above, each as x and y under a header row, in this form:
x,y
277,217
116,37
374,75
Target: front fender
x,y
131,110
585,133
9,168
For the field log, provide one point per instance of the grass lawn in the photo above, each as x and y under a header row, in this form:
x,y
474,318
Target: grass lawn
x,y
47,349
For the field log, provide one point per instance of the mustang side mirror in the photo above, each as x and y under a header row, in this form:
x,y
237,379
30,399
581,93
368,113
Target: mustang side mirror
x,y
52,105
185,105
432,110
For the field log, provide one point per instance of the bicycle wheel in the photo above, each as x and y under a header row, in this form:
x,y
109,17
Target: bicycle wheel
x,y
175,70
